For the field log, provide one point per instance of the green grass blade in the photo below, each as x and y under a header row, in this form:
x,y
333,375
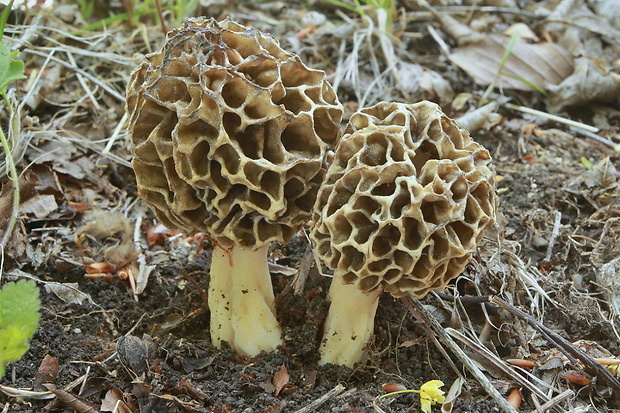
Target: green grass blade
x,y
4,17
527,82
502,64
118,17
343,5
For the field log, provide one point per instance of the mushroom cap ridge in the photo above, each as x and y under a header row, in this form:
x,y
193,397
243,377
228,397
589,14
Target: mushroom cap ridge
x,y
230,133
405,200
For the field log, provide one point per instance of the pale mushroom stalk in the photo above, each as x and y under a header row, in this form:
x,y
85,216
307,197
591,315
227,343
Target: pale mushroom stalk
x,y
219,296
241,301
349,324
401,210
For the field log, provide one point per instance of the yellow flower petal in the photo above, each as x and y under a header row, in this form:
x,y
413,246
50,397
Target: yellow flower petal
x,y
430,393
426,405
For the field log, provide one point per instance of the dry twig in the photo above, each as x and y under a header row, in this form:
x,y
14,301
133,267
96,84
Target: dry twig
x,y
566,347
467,362
322,400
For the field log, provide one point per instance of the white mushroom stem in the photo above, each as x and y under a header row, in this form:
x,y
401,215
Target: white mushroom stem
x,y
241,301
349,325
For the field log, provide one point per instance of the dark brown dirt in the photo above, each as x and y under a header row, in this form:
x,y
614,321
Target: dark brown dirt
x,y
185,365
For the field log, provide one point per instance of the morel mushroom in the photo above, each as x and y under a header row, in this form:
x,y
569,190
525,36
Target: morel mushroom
x,y
402,210
229,136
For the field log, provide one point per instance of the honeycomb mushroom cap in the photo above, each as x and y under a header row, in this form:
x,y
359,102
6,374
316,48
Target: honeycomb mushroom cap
x,y
229,133
405,200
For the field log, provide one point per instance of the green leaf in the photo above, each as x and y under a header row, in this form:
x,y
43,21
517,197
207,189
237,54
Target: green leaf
x,y
586,162
14,344
10,69
3,18
19,319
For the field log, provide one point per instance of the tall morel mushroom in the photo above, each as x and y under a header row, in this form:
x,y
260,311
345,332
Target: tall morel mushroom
x,y
229,135
402,210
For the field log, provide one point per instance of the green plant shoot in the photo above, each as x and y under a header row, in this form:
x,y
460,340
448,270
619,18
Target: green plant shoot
x,y
11,69
19,319
87,7
358,7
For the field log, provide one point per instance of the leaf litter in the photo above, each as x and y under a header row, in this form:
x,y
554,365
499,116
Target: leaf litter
x,y
554,254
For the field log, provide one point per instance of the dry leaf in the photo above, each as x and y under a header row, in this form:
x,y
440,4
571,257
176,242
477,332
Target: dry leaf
x,y
43,85
609,279
40,206
114,231
280,379
143,274
515,398
523,30
580,15
74,402
309,380
602,174
46,180
393,387
414,77
540,64
607,9
460,32
588,83
26,394
453,394
67,292
60,154
281,269
576,378
47,372
460,100
478,118
114,402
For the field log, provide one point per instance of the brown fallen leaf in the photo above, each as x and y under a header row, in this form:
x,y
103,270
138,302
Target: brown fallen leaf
x,y
393,387
76,403
309,380
575,378
515,398
47,372
40,206
68,292
114,401
588,83
602,174
46,180
540,64
40,86
280,379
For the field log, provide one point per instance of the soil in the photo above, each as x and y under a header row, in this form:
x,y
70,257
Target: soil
x,y
153,353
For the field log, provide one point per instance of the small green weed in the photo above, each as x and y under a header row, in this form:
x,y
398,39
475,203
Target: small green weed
x,y
19,319
500,71
136,9
11,69
360,7
87,7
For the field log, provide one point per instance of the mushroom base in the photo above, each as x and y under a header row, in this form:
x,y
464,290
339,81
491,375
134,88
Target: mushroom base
x,y
241,301
350,323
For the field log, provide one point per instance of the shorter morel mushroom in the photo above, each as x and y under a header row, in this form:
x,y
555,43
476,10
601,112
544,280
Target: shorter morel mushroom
x,y
401,210
230,134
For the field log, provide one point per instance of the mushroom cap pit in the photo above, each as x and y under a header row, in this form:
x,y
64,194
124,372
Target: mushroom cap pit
x,y
405,200
230,133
